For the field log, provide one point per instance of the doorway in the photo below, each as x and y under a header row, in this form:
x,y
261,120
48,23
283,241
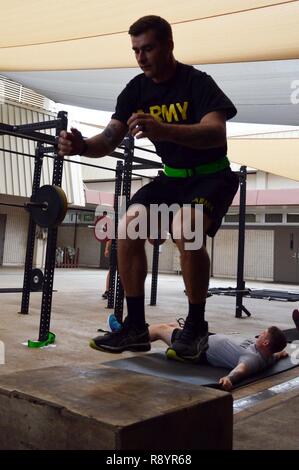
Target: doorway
x,y
286,255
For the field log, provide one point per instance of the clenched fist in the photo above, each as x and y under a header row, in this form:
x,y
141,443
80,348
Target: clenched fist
x,y
70,143
226,383
145,125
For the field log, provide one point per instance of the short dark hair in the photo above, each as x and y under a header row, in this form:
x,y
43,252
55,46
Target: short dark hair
x,y
161,27
278,340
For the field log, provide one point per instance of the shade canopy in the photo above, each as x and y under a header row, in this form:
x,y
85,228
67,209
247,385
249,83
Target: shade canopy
x,y
76,34
78,52
277,156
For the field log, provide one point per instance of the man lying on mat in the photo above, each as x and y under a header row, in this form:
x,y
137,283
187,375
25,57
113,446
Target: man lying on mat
x,y
244,358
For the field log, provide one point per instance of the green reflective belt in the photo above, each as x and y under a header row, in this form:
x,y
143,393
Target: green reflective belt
x,y
204,169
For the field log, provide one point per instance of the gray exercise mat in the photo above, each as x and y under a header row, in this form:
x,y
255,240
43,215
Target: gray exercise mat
x,y
158,365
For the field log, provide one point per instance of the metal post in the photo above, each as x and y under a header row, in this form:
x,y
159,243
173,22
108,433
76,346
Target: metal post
x,y
241,245
38,163
75,231
51,243
126,193
113,251
155,268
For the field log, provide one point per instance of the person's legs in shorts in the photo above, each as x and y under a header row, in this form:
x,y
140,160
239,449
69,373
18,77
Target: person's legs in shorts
x,y
215,194
132,266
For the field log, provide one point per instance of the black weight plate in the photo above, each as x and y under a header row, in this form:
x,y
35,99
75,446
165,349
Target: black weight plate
x,y
55,199
36,279
63,200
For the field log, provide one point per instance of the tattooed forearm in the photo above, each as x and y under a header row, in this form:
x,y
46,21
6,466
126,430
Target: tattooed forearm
x,y
111,134
103,144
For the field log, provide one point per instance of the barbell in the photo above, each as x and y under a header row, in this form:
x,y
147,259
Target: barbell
x,y
48,207
36,279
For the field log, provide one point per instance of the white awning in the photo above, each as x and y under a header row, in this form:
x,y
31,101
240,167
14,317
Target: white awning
x,y
277,156
90,34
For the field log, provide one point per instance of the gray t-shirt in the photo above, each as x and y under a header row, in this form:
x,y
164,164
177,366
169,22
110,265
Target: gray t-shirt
x,y
223,352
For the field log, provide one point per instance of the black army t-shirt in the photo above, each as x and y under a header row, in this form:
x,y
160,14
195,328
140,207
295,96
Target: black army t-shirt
x,y
184,99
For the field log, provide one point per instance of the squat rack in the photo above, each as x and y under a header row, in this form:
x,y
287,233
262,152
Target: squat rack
x,y
123,180
30,131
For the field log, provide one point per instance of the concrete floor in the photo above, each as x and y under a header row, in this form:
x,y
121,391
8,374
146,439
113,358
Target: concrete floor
x,y
78,310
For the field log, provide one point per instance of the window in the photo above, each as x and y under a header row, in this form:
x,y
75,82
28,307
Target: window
x,y
250,218
88,217
231,218
234,218
79,217
68,218
273,218
293,218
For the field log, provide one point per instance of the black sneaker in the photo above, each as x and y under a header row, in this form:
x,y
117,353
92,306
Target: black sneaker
x,y
177,331
127,339
189,345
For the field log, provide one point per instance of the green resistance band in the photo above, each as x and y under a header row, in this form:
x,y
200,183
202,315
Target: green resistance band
x,y
40,344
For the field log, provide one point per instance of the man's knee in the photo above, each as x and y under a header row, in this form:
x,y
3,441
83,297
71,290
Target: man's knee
x,y
191,254
129,247
133,225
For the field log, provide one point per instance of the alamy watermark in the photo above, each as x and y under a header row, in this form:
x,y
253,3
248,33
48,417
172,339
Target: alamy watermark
x,y
295,93
154,222
2,353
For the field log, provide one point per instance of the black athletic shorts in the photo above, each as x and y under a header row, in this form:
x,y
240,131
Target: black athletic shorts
x,y
215,192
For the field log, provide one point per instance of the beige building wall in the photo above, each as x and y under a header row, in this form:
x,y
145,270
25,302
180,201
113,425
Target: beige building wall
x,y
262,180
277,182
90,248
259,254
15,235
